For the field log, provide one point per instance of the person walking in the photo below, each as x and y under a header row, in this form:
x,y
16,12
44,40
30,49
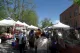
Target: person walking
x,y
22,41
53,44
31,39
41,44
38,34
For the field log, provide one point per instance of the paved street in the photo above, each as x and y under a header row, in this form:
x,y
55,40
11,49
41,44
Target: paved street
x,y
7,48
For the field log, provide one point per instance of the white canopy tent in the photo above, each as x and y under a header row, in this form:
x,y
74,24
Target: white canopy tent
x,y
3,24
47,28
32,27
60,25
19,25
25,24
7,22
18,22
50,27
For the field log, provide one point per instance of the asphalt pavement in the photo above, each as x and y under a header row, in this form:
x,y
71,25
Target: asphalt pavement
x,y
6,47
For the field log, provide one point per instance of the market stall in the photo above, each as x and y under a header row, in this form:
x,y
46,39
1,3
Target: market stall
x,y
62,31
25,24
19,25
7,22
32,27
60,25
6,28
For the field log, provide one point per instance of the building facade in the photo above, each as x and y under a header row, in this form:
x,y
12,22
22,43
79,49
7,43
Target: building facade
x,y
71,16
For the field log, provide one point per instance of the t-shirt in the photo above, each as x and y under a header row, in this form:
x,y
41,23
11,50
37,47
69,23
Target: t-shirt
x,y
20,38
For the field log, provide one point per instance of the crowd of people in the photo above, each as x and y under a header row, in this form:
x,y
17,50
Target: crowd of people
x,y
39,40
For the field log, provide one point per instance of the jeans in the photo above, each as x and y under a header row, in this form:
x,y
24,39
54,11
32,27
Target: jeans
x,y
21,48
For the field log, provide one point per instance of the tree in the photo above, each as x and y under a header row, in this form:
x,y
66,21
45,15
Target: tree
x,y
23,10
5,8
2,10
28,13
77,1
46,22
30,17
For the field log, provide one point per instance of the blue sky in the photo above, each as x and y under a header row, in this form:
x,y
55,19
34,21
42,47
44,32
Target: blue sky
x,y
51,8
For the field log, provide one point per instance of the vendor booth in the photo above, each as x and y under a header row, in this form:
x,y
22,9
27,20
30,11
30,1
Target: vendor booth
x,y
7,22
32,27
19,25
25,24
60,25
6,28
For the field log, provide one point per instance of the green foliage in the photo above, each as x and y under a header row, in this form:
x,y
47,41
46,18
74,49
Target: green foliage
x,y
77,2
25,12
5,6
30,17
22,10
3,14
46,22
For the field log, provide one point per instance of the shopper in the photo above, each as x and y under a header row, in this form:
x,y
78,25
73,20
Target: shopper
x,y
42,44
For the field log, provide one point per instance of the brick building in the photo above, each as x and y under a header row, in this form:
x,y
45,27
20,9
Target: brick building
x,y
71,16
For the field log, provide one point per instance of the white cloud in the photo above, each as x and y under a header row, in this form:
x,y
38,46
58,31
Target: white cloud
x,y
56,21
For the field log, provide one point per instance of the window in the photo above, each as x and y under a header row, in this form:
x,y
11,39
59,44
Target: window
x,y
70,14
65,18
76,24
66,22
76,12
61,18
